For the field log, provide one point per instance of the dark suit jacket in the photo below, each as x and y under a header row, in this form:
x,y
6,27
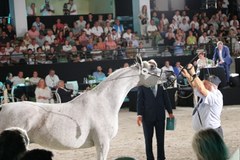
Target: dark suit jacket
x,y
150,107
64,94
225,55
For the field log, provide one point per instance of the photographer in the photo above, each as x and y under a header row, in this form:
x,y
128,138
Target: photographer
x,y
70,8
47,9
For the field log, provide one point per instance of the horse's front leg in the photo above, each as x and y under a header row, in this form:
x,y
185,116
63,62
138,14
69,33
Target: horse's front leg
x,y
102,148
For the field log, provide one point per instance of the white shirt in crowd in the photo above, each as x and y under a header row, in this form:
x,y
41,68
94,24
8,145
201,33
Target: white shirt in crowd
x,y
151,28
209,110
46,92
67,48
97,31
45,12
203,40
170,68
17,80
33,47
34,80
196,24
50,39
127,36
184,26
51,81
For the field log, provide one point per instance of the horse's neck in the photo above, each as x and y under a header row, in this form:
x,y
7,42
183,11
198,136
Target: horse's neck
x,y
116,87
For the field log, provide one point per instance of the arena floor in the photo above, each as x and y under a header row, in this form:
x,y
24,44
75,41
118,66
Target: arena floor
x,y
130,141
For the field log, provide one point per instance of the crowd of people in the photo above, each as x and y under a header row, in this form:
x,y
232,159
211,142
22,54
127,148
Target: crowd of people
x,y
95,38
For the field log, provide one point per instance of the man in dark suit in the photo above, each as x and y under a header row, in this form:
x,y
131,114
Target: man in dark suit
x,y
223,58
151,104
64,93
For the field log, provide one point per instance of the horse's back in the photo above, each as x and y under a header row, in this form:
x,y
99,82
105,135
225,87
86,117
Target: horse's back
x,y
19,114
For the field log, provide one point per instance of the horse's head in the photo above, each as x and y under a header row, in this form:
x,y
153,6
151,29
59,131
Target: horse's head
x,y
150,74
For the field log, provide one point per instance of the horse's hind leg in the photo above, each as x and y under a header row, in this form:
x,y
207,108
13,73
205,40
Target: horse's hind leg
x,y
102,148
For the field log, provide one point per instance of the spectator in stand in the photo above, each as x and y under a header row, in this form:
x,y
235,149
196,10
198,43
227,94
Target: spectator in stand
x,y
110,43
81,23
47,9
16,80
97,30
34,79
46,47
43,30
193,30
155,18
142,50
40,40
50,37
51,55
43,93
90,45
31,10
76,30
52,79
234,20
4,24
59,25
71,38
167,67
33,32
99,75
195,22
90,20
4,56
115,36
10,32
184,15
118,27
65,94
100,44
37,23
9,48
61,37
169,40
225,22
8,82
143,20
203,61
4,38
57,47
164,20
203,39
191,39
130,50
66,48
83,39
88,30
178,46
135,40
23,47
101,22
33,46
110,19
177,17
174,25
110,71
184,25
107,28
17,56
177,68
127,36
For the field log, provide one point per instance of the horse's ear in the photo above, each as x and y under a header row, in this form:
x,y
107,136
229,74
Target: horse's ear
x,y
139,60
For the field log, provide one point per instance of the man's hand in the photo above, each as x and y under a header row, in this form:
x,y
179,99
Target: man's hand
x,y
191,69
171,115
185,72
139,120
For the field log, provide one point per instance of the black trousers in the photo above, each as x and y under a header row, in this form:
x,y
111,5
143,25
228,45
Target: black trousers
x,y
148,129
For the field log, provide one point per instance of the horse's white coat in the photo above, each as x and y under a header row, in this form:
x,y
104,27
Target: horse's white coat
x,y
91,119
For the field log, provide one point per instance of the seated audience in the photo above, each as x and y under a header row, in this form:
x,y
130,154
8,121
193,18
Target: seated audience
x,y
43,93
34,79
99,75
208,145
64,93
167,67
52,79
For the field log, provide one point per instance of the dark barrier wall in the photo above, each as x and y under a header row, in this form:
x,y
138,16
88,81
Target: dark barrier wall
x,y
77,71
237,65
